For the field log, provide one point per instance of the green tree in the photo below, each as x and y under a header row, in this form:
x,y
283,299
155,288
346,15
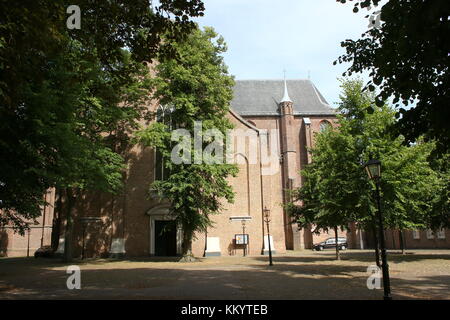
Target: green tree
x,y
336,188
196,87
406,55
331,195
409,185
439,216
44,85
108,107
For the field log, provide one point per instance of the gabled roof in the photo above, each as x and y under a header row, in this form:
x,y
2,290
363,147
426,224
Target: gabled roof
x,y
262,97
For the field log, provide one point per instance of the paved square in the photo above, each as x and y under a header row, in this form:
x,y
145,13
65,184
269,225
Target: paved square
x,y
420,274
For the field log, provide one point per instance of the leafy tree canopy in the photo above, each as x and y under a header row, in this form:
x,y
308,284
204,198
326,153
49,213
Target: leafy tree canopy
x,y
197,87
60,91
406,53
336,189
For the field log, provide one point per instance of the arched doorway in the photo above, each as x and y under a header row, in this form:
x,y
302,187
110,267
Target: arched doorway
x,y
165,235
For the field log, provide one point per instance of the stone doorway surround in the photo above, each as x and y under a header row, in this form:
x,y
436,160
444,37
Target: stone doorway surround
x,y
157,213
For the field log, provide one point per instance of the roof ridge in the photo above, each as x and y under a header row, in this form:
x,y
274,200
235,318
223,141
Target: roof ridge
x,y
261,96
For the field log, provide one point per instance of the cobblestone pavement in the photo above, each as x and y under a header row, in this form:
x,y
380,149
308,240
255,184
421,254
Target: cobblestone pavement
x,y
419,274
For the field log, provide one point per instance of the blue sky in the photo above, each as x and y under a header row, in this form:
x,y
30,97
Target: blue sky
x,y
266,36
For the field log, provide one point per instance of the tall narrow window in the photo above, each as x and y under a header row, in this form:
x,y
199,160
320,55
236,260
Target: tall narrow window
x,y
441,234
163,114
430,234
416,234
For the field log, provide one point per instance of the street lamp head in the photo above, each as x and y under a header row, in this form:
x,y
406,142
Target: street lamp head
x,y
373,169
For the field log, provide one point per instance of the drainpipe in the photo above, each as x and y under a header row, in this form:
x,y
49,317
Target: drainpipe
x,y
262,191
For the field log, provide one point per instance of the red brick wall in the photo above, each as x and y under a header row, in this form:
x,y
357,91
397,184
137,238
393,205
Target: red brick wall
x,y
393,240
14,245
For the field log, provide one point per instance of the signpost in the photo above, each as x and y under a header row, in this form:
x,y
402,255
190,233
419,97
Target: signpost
x,y
242,239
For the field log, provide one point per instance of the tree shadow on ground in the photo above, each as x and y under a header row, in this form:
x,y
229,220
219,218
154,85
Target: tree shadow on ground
x,y
257,281
355,256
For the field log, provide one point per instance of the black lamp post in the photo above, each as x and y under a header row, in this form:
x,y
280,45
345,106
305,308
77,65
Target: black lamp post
x,y
373,168
267,220
243,235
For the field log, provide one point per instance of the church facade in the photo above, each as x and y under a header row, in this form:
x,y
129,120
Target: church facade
x,y
278,119
283,117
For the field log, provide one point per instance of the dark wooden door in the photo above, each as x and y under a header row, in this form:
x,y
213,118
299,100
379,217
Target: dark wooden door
x,y
165,238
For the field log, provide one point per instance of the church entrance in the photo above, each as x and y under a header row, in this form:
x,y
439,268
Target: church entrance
x,y
165,238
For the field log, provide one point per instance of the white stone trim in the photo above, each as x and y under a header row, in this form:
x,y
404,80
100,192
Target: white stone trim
x,y
266,244
162,213
212,246
441,234
117,246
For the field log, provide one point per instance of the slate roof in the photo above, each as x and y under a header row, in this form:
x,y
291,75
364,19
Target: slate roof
x,y
262,97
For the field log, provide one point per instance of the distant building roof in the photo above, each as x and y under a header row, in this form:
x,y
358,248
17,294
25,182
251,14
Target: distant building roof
x,y
262,97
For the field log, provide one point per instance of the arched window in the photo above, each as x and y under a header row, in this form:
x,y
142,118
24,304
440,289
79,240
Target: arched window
x,y
324,124
163,114
160,114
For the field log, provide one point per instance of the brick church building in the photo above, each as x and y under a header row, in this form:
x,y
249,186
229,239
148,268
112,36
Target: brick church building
x,y
283,116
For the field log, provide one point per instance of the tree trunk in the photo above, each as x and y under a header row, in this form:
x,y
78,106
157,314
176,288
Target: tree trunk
x,y
393,239
186,247
402,242
377,250
338,254
68,235
56,223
